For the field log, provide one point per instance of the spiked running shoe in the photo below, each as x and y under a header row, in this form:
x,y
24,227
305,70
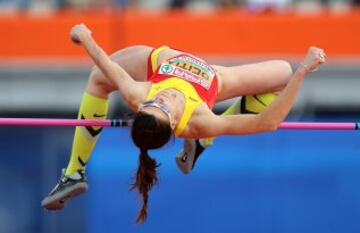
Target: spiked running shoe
x,y
67,187
187,158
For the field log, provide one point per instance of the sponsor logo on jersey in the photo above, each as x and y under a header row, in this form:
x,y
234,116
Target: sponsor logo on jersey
x,y
189,69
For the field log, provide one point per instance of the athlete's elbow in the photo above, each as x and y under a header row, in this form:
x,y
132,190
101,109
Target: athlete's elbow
x,y
268,126
274,126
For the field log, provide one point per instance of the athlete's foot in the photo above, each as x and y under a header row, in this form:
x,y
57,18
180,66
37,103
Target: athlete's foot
x,y
187,158
67,187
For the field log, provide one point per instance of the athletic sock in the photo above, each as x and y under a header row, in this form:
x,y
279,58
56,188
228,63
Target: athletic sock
x,y
255,104
85,138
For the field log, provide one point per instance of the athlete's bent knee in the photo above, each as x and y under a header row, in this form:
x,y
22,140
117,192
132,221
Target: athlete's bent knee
x,y
286,69
98,84
285,72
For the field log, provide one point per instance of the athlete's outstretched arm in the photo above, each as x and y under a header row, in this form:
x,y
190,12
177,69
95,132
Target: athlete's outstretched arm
x,y
274,114
130,90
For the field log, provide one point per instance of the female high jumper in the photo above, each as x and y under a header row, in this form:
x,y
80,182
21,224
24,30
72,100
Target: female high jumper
x,y
172,93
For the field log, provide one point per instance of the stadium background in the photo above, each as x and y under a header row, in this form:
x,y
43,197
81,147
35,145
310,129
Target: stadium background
x,y
296,181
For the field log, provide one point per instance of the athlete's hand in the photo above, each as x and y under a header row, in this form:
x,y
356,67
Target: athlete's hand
x,y
78,32
314,58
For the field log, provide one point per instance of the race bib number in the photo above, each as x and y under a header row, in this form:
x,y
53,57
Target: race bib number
x,y
190,69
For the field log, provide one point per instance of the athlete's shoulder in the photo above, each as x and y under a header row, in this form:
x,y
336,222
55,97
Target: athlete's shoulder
x,y
198,120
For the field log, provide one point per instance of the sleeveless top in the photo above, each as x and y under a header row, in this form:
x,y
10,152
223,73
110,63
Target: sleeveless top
x,y
192,76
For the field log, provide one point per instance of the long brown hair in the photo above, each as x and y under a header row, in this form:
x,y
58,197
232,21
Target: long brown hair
x,y
148,132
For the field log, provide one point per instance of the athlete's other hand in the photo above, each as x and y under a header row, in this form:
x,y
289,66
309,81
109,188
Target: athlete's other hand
x,y
314,58
78,31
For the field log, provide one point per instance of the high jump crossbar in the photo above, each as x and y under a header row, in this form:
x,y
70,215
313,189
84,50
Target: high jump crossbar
x,y
128,122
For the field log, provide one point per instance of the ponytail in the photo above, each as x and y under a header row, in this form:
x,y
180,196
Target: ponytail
x,y
146,178
148,132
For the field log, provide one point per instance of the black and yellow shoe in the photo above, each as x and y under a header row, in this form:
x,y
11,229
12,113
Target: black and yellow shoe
x,y
67,187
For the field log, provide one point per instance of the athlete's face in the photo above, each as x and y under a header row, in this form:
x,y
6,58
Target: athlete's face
x,y
158,109
163,106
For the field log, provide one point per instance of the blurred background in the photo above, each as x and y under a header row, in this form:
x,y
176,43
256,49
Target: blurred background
x,y
293,181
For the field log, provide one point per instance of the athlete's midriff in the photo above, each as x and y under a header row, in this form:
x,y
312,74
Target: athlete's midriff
x,y
193,70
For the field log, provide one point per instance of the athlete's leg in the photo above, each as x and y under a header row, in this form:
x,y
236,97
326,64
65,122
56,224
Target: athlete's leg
x,y
270,76
251,79
94,105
